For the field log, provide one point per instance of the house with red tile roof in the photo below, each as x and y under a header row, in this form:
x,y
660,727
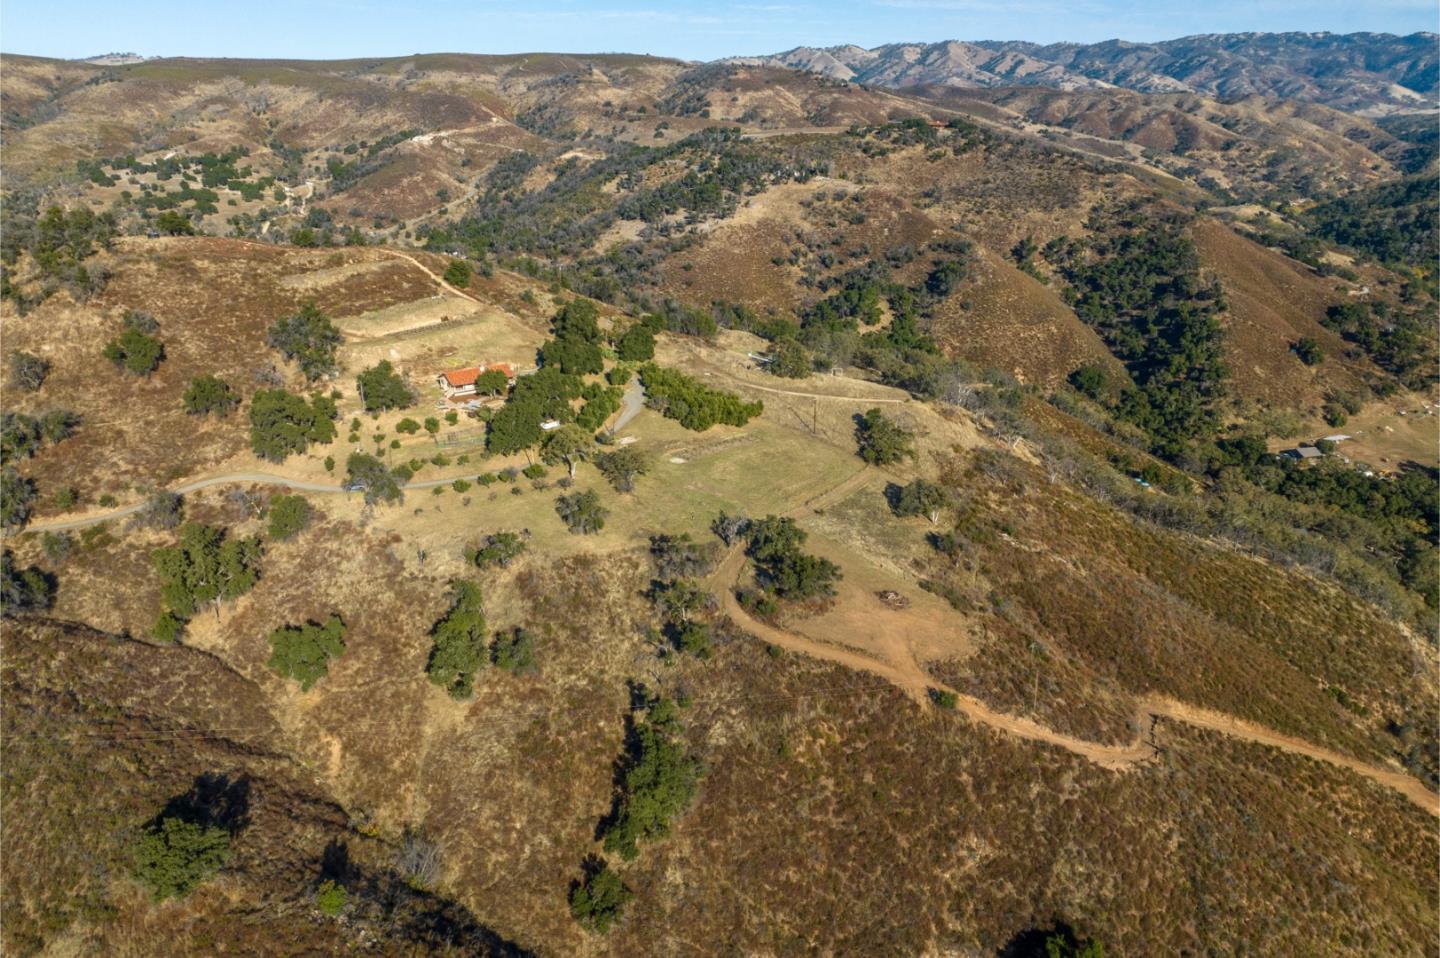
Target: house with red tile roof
x,y
460,383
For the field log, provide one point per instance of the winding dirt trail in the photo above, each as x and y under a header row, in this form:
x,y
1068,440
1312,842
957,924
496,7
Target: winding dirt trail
x,y
910,677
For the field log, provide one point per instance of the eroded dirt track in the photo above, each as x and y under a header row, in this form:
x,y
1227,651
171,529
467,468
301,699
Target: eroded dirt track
x,y
909,675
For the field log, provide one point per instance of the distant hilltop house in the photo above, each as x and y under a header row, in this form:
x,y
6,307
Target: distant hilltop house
x,y
459,384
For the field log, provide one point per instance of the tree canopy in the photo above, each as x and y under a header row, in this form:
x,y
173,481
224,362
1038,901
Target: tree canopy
x,y
307,337
303,653
284,424
459,648
382,388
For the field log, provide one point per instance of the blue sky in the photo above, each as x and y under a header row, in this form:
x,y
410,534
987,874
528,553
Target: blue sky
x,y
692,29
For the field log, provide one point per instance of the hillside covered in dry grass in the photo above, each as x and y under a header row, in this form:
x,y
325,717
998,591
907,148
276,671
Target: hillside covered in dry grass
x,y
865,532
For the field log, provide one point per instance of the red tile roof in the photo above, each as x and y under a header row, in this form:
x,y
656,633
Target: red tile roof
x,y
458,378
462,377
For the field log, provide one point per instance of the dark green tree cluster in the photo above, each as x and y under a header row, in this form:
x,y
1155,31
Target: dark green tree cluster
x,y
288,516
789,360
659,778
1400,341
1401,514
582,512
1393,222
173,856
59,242
206,567
881,440
1137,282
209,394
601,402
1307,348
136,350
691,403
781,567
367,474
457,273
546,394
575,348
492,382
307,337
31,589
637,345
381,388
598,901
303,653
460,643
283,424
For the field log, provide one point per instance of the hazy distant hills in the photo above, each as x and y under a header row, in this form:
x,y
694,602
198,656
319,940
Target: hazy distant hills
x,y
1371,73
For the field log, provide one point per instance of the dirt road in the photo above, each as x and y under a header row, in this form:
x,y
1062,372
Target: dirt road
x,y
909,676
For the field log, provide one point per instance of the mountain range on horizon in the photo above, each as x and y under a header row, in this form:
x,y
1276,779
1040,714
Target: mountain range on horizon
x,y
1370,73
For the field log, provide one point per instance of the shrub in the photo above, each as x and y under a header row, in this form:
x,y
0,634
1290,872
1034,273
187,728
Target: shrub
x,y
921,498
943,698
23,590
500,549
168,628
331,898
134,351
408,426
174,856
598,902
66,498
680,557
382,388
1309,351
304,652
692,637
458,273
881,441
459,643
209,394
432,425
582,512
174,223
28,371
789,360
514,651
288,516
17,495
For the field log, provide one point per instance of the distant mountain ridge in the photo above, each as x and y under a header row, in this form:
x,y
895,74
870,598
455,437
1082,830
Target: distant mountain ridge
x,y
1368,73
